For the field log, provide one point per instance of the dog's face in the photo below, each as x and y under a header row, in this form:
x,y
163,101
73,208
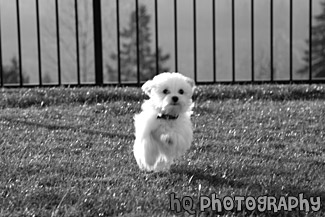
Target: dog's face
x,y
171,93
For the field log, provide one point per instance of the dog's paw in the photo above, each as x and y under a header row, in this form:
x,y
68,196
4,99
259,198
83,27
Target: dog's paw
x,y
163,137
167,139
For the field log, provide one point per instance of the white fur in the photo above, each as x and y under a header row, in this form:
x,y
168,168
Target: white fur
x,y
159,141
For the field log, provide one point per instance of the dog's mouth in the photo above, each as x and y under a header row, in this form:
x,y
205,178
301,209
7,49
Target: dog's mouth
x,y
174,103
172,108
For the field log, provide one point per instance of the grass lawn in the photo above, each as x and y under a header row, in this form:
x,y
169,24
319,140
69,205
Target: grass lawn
x,y
68,152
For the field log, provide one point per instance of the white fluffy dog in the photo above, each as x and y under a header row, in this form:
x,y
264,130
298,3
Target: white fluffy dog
x,y
163,129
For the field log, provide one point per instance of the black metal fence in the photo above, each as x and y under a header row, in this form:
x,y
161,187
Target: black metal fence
x,y
98,51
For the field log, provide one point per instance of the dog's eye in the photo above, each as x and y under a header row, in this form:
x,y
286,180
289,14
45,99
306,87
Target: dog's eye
x,y
181,91
165,91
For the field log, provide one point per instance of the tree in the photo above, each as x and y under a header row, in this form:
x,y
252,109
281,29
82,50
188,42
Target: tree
x,y
85,25
46,78
85,32
68,40
318,47
263,67
128,52
11,73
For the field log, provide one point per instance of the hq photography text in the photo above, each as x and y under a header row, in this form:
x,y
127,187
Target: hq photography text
x,y
241,203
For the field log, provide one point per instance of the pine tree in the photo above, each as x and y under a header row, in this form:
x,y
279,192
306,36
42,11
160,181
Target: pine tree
x,y
318,47
128,52
11,73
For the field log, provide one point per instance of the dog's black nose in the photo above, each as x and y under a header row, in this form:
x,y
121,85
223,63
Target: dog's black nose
x,y
175,98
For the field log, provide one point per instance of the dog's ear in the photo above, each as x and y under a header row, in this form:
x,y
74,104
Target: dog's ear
x,y
191,82
146,87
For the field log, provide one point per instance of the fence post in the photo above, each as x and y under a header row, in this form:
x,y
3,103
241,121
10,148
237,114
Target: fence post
x,y
98,50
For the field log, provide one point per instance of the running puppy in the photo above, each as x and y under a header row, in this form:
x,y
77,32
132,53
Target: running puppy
x,y
163,129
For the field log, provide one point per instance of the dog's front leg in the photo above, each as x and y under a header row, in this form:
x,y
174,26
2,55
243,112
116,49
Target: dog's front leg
x,y
165,140
162,136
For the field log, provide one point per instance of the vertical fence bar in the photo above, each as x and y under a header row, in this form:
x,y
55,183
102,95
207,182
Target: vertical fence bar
x,y
19,44
157,37
98,42
195,42
253,40
1,62
271,39
233,41
118,42
138,40
214,40
58,40
39,44
77,40
310,40
290,40
176,38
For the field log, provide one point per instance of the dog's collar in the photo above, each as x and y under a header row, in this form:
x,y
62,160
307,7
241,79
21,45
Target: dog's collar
x,y
167,117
